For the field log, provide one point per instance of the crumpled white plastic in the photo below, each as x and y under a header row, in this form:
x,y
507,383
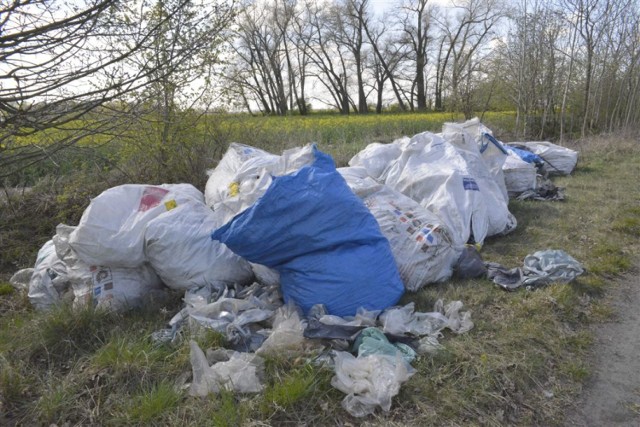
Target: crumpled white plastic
x,y
369,381
403,320
239,374
287,334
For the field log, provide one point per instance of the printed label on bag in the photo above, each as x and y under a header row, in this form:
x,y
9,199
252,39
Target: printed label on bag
x,y
171,204
470,184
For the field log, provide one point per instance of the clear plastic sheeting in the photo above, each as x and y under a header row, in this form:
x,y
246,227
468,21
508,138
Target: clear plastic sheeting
x,y
179,248
369,381
286,337
265,275
420,241
111,230
540,268
404,320
241,373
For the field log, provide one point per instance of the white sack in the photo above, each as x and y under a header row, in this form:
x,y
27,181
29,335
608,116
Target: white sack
x,y
457,188
490,183
113,288
221,179
111,230
420,242
519,175
246,174
178,246
376,157
49,281
557,160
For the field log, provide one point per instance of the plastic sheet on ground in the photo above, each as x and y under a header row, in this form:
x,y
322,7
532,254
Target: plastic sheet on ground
x,y
111,230
545,190
404,320
420,241
369,381
324,242
179,248
540,268
373,341
239,374
544,267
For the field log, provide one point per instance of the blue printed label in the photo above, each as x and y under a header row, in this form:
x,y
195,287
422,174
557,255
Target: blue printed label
x,y
470,184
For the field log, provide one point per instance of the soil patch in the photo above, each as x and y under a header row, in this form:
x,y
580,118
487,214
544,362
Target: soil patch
x,y
612,396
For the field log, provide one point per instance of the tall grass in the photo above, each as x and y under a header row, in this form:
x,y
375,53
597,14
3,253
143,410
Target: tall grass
x,y
522,364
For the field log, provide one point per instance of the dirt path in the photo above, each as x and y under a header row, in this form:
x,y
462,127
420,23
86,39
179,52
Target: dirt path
x,y
612,396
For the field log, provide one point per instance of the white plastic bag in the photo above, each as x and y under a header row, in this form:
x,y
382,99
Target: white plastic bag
x,y
111,230
50,279
369,381
178,246
421,243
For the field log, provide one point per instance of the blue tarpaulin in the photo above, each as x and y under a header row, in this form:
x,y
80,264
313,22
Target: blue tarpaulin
x,y
322,239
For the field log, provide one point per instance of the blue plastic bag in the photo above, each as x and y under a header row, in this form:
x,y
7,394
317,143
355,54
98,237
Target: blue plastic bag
x,y
322,239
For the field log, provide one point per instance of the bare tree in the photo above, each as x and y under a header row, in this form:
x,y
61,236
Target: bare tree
x,y
62,61
415,23
466,30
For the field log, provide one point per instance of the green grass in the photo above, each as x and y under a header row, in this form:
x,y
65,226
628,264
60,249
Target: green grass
x,y
93,367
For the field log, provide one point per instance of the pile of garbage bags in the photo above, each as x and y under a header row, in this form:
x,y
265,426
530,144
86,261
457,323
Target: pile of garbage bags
x,y
285,254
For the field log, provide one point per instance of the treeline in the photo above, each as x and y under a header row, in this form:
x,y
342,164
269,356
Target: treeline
x,y
568,65
145,73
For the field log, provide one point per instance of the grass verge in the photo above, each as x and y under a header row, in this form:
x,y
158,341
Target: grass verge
x,y
521,364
